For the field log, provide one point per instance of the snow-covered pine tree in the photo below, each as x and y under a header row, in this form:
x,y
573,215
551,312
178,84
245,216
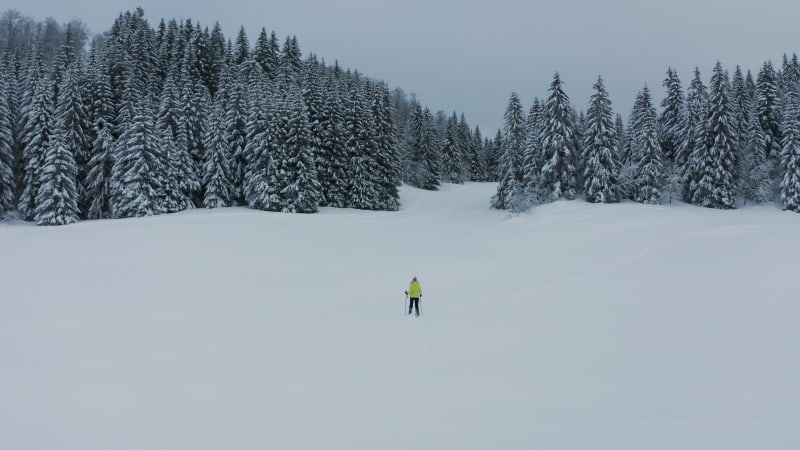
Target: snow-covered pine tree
x,y
510,194
715,186
291,63
478,163
57,195
258,148
495,157
291,173
195,100
600,143
241,47
333,161
364,187
266,53
101,114
694,136
790,154
759,187
450,153
386,156
532,154
217,184
432,162
672,118
646,151
38,131
182,180
70,122
232,97
558,172
139,175
7,184
768,109
423,162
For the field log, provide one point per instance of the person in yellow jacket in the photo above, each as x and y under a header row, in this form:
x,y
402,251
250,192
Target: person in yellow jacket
x,y
414,293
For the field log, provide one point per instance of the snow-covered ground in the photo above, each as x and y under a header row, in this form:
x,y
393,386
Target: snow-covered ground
x,y
575,326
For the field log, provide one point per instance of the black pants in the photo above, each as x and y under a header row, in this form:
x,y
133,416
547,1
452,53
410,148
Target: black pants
x,y
413,303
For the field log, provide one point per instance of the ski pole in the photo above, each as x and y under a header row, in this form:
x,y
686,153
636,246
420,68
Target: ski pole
x,y
405,303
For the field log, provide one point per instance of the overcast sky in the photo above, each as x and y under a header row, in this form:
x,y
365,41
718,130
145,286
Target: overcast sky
x,y
470,55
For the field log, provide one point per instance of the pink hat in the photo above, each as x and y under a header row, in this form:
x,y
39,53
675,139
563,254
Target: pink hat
x,y
414,279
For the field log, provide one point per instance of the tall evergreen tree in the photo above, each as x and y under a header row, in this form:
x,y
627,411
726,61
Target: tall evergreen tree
x,y
695,135
364,187
671,120
386,155
768,109
333,161
646,151
57,195
532,155
6,149
715,187
423,163
139,175
292,175
509,192
790,156
600,143
759,186
241,47
71,124
38,132
558,178
217,184
450,151
266,53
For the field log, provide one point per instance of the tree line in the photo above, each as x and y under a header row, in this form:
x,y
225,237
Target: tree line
x,y
158,120
733,141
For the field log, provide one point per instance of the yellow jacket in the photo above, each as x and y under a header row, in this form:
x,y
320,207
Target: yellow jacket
x,y
415,290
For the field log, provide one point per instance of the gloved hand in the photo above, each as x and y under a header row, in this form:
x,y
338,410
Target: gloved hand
x,y
406,292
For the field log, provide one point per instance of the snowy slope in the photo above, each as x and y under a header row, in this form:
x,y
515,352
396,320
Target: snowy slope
x,y
576,326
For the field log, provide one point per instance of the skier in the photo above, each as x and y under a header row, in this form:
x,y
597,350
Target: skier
x,y
414,293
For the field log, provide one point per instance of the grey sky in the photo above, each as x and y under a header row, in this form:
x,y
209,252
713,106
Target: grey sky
x,y
470,55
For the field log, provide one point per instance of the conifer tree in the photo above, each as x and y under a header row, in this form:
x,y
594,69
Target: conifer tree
x,y
232,98
291,173
715,187
218,188
671,120
37,134
364,187
139,175
260,145
790,156
478,160
510,193
386,155
333,161
6,149
423,163
695,135
558,172
646,151
532,155
759,186
71,122
241,48
600,143
266,53
768,109
452,166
